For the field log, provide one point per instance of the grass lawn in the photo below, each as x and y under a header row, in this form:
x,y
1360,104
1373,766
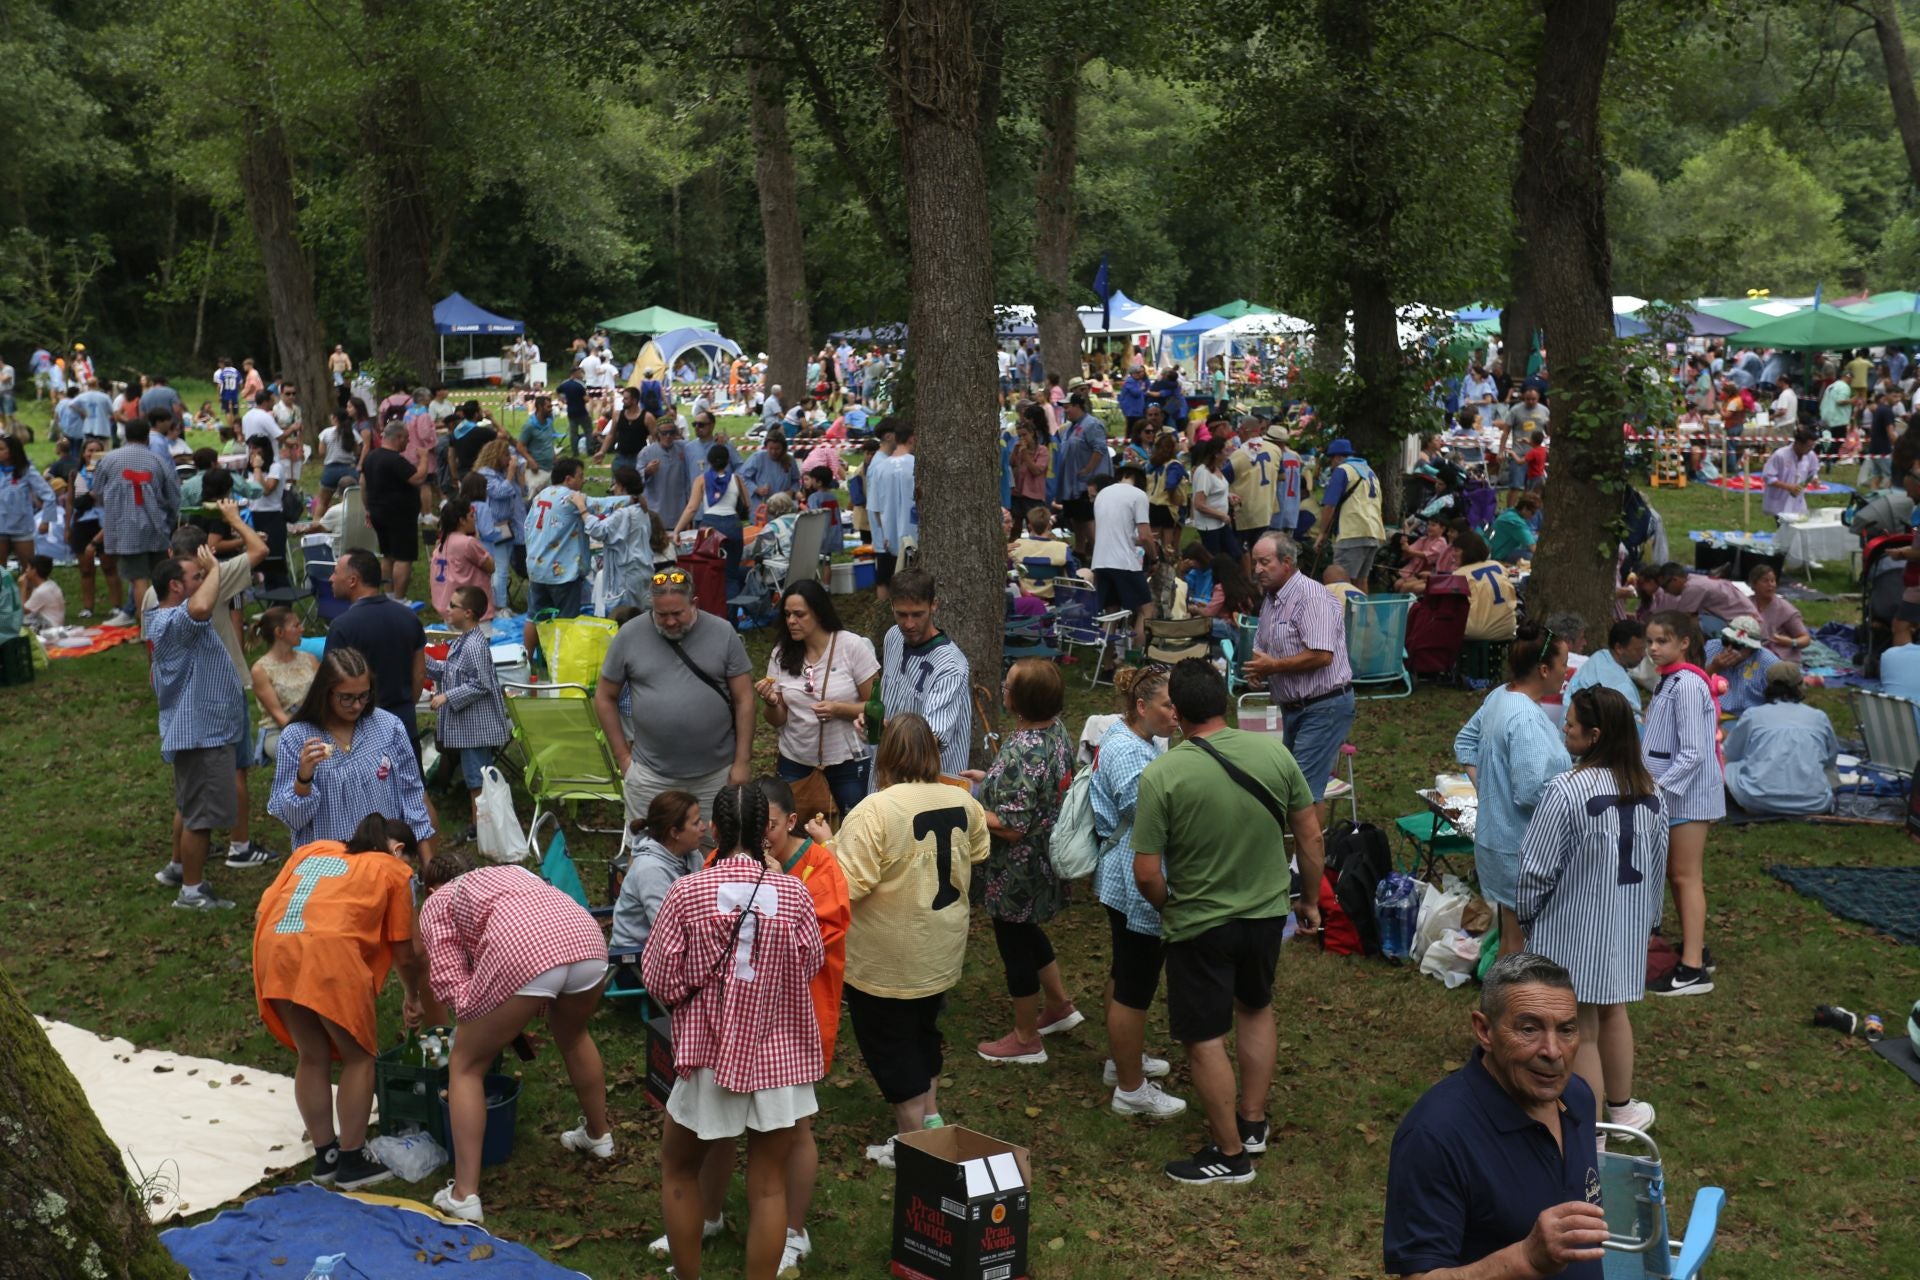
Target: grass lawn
x,y
1811,1135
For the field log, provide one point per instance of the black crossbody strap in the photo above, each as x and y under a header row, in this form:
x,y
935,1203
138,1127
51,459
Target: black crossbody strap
x,y
1256,789
719,688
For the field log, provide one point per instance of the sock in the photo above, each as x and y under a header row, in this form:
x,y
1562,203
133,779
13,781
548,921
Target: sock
x,y
933,1121
235,847
1617,1105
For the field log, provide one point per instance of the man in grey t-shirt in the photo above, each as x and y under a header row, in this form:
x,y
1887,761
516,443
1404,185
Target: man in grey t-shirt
x,y
689,723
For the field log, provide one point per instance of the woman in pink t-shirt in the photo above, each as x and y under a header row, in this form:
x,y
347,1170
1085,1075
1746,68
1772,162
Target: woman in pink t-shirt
x,y
460,560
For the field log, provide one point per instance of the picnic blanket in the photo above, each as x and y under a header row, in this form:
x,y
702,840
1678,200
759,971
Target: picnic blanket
x,y
278,1236
203,1131
1756,483
97,639
1898,1050
1886,898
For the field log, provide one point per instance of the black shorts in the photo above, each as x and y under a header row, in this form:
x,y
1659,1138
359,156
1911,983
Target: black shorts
x,y
1221,541
1136,964
1230,964
1907,612
900,1039
1077,510
883,566
80,535
1159,517
399,537
1121,588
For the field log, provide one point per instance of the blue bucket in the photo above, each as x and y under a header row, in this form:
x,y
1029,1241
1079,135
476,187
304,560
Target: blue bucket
x,y
503,1113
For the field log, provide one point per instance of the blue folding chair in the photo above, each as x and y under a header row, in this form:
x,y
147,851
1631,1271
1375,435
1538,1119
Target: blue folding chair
x,y
1633,1194
1377,645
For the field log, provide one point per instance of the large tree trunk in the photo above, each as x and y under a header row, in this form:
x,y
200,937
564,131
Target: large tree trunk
x,y
400,224
1053,225
935,87
1560,204
266,185
779,185
1906,103
69,1207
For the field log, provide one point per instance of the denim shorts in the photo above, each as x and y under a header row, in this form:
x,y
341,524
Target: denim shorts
x,y
473,762
335,474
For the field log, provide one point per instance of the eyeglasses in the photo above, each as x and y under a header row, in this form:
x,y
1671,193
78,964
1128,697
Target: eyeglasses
x,y
352,699
672,577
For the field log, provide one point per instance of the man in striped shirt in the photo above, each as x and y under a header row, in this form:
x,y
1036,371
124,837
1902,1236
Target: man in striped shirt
x,y
924,671
1300,651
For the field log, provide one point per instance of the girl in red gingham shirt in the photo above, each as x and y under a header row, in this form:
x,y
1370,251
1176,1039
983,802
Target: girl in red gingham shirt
x,y
732,954
502,945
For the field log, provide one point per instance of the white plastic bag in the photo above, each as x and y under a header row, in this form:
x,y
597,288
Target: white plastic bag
x,y
1452,957
1439,911
410,1155
501,837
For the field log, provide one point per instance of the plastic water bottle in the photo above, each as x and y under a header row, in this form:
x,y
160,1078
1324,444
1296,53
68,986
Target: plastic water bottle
x,y
1396,908
323,1266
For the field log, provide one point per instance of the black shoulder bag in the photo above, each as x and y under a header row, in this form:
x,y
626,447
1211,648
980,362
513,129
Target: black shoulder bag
x,y
1256,789
726,694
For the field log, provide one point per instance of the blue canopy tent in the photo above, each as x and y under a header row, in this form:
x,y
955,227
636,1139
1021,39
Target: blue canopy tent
x,y
456,314
1182,342
1626,326
661,356
884,333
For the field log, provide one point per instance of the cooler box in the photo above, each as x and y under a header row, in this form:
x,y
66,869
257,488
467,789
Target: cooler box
x,y
863,572
709,580
841,583
960,1206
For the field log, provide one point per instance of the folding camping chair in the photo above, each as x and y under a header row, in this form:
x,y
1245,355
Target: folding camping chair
x,y
1377,645
1890,730
1078,623
1256,712
558,869
299,594
1633,1194
354,529
1246,628
1434,842
1170,641
563,756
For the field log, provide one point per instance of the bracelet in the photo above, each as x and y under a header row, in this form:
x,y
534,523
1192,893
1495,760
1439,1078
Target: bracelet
x,y
299,781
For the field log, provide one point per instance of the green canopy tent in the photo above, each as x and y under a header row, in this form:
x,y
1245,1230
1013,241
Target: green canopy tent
x,y
1904,327
1824,330
651,320
1239,307
1749,313
1881,306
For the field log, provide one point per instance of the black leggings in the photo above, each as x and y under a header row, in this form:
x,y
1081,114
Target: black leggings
x,y
1025,951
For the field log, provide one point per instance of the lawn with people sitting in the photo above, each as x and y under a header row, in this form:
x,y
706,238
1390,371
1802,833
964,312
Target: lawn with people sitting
x,y
1805,1129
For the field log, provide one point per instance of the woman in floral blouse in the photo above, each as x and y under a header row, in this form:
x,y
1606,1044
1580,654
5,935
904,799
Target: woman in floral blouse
x,y
1021,794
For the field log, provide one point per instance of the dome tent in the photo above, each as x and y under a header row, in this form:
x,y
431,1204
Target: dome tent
x,y
663,354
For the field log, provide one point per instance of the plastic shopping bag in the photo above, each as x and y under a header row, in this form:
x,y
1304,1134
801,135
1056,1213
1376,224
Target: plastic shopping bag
x,y
1451,957
1440,910
575,648
500,835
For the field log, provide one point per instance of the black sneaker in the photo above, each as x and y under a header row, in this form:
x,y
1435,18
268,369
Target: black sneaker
x,y
1683,981
1253,1135
326,1163
1207,1166
253,855
358,1169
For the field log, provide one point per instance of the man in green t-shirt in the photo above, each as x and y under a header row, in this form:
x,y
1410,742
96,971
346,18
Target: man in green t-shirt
x,y
1209,854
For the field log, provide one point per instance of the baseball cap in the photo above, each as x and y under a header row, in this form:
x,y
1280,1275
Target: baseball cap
x,y
1785,674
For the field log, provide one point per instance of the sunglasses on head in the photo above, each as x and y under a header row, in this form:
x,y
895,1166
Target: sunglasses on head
x,y
672,577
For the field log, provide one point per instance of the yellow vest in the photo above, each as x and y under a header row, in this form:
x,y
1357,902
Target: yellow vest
x,y
1360,506
1492,598
1255,471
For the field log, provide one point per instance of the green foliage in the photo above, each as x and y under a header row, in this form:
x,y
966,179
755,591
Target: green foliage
x,y
44,285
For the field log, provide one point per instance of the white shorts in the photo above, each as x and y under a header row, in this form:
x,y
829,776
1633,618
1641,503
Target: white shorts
x,y
698,1104
566,980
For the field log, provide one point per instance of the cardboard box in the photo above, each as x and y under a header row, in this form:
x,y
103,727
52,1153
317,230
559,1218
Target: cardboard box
x,y
660,1075
960,1206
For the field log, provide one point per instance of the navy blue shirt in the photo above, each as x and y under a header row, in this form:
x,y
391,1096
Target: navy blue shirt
x,y
573,393
388,634
1470,1171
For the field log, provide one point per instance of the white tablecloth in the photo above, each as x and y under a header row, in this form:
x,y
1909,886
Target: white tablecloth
x,y
1809,543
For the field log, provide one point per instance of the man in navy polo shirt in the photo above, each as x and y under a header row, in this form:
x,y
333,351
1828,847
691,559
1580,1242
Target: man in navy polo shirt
x,y
1494,1172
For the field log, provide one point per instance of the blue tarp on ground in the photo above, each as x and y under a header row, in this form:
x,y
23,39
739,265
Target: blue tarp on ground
x,y
277,1237
455,314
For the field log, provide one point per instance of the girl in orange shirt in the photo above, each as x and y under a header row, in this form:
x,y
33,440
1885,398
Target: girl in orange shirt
x,y
332,924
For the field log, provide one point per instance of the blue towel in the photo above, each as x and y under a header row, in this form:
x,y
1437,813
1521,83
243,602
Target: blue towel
x,y
304,1222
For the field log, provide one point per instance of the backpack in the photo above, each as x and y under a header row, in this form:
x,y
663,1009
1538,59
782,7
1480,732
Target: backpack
x,y
1074,846
1358,859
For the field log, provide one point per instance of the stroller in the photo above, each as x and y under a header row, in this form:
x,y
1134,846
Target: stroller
x,y
1437,628
1881,584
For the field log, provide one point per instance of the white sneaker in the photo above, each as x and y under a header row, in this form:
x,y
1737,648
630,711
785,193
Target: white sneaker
x,y
1635,1115
119,618
1149,1101
882,1155
467,1210
1151,1067
799,1246
708,1230
600,1148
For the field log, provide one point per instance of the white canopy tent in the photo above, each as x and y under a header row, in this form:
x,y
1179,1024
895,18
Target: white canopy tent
x,y
1239,336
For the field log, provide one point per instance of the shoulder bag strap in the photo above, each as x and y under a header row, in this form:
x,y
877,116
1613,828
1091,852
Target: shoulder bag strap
x,y
1256,789
711,683
826,674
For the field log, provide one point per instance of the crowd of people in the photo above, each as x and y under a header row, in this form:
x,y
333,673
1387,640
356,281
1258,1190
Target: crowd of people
x,y
846,876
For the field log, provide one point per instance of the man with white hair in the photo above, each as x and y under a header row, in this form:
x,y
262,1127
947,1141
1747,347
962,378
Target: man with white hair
x,y
770,409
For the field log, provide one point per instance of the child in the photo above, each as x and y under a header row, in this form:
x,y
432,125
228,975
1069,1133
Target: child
x,y
634,539
824,495
1536,462
459,558
473,718
46,604
1681,742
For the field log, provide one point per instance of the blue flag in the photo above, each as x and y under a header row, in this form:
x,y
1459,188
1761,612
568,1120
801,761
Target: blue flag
x,y
1816,295
1104,289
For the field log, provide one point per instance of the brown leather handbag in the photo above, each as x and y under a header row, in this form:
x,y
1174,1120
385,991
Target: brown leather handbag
x,y
812,794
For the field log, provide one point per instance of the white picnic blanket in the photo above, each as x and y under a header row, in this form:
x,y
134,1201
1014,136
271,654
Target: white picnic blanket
x,y
195,1132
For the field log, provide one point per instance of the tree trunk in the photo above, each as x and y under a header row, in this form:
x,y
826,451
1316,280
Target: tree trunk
x,y
1560,206
935,86
1053,225
266,184
399,233
206,282
779,186
71,1210
1906,103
